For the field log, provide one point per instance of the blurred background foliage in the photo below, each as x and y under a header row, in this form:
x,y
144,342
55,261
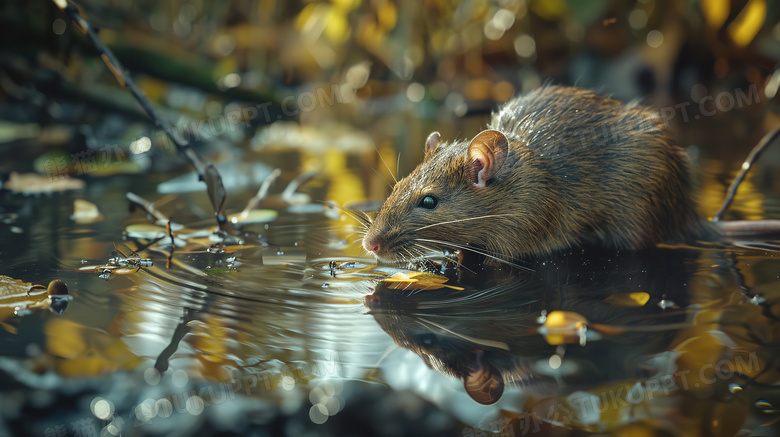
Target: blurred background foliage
x,y
434,60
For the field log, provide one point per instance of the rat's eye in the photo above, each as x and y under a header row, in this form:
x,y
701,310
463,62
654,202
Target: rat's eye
x,y
429,202
427,339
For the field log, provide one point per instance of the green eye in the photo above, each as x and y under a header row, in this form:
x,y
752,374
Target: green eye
x,y
429,202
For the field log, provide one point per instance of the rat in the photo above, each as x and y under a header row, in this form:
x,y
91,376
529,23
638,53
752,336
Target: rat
x,y
557,168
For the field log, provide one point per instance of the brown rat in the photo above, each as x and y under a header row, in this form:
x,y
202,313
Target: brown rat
x,y
558,167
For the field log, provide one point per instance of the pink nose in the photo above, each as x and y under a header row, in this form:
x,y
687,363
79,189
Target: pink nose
x,y
371,246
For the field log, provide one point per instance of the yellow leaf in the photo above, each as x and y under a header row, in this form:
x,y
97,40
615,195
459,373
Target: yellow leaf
x,y
695,362
337,27
563,327
747,24
421,280
387,16
637,299
65,338
399,277
715,12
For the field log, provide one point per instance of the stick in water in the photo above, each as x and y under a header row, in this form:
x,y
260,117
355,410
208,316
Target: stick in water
x,y
762,145
206,171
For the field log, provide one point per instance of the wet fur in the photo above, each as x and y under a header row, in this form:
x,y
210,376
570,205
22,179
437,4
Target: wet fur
x,y
581,169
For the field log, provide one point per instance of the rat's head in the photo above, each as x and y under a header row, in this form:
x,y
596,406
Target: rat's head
x,y
445,202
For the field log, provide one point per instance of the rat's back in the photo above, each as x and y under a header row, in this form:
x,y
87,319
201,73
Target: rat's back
x,y
621,178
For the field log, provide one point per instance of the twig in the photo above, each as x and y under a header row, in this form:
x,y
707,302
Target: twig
x,y
296,183
762,145
173,245
146,206
261,193
206,171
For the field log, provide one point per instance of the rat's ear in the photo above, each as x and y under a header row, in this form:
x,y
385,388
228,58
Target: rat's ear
x,y
432,143
485,384
487,154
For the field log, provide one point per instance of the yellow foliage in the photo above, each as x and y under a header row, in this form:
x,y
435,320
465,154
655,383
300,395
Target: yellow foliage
x,y
747,24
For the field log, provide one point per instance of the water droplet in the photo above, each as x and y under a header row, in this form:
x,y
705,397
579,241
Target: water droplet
x,y
734,388
325,285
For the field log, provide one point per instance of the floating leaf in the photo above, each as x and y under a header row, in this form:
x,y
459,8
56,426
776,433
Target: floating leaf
x,y
564,327
85,212
145,231
422,281
31,183
254,216
18,298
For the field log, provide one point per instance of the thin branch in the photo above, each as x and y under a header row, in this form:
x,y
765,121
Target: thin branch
x,y
206,171
146,206
762,145
261,193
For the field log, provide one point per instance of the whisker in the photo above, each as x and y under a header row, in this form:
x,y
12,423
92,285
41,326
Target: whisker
x,y
365,215
354,216
385,163
469,248
479,341
463,220
351,213
460,264
383,178
460,246
390,348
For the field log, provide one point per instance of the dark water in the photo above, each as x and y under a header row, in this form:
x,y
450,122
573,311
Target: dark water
x,y
295,333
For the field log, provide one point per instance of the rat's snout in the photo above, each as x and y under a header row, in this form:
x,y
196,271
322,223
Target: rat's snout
x,y
371,243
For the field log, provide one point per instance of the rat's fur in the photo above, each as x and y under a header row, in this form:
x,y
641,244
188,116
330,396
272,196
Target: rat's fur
x,y
581,168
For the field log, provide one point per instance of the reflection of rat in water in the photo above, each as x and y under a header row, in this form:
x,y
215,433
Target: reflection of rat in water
x,y
491,340
559,167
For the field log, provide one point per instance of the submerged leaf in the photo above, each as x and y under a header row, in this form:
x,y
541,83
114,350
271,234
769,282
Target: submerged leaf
x,y
637,299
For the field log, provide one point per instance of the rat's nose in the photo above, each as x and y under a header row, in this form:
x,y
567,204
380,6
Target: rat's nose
x,y
371,245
